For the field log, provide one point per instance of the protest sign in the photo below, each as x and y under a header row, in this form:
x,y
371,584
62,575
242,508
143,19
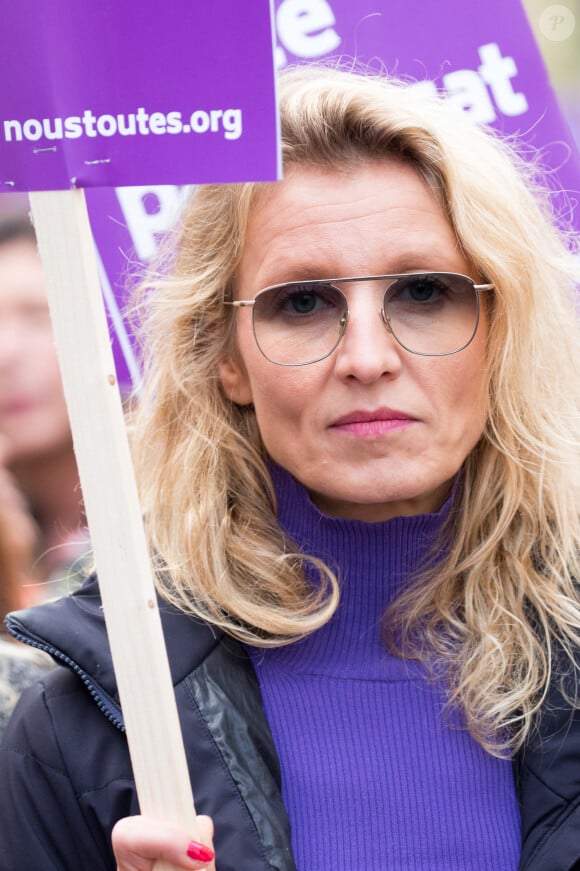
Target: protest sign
x,y
115,94
482,57
126,94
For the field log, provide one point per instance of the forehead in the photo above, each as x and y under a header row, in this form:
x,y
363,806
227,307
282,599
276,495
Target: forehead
x,y
376,218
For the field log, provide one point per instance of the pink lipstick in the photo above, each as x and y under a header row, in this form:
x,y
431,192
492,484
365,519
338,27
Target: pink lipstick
x,y
371,424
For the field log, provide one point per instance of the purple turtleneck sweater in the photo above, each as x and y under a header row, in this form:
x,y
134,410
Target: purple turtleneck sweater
x,y
376,774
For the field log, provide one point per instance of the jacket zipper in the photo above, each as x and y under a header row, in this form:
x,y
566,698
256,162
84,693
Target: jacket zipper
x,y
112,713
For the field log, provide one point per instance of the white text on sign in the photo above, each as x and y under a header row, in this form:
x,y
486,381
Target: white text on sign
x,y
307,29
228,122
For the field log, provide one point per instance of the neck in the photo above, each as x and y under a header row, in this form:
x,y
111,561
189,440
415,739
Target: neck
x,y
373,562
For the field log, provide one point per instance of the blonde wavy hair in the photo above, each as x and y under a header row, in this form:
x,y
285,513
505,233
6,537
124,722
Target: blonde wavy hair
x,y
500,612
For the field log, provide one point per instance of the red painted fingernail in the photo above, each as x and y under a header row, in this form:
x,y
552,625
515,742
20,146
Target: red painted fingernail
x,y
199,852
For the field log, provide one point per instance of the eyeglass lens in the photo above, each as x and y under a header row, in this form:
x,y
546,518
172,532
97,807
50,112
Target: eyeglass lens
x,y
303,322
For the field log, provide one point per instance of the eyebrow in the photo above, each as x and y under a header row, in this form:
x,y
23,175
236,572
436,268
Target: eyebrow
x,y
413,259
304,272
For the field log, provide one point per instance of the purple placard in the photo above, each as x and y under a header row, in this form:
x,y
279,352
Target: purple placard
x,y
484,57
127,224
134,92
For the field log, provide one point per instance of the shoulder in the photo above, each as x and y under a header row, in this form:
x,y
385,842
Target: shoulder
x,y
73,631
67,728
58,725
62,762
548,777
65,757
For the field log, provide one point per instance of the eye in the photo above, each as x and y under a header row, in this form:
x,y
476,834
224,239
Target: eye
x,y
300,300
420,289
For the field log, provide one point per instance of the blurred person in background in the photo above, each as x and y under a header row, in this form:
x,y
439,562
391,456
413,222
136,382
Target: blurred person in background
x,y
33,414
19,665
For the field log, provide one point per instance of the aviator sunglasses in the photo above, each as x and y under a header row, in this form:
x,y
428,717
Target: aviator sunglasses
x,y
432,314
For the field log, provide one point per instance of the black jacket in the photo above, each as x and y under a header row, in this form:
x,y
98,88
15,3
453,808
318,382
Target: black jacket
x,y
66,776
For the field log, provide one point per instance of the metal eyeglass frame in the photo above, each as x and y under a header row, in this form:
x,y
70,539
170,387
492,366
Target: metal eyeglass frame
x,y
249,303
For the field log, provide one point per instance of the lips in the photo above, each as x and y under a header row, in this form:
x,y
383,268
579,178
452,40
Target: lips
x,y
381,414
372,424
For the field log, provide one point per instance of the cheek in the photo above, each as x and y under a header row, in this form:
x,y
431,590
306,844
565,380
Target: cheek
x,y
286,402
462,399
277,402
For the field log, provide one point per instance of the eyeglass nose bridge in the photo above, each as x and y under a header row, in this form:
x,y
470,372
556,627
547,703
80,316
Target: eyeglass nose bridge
x,y
345,317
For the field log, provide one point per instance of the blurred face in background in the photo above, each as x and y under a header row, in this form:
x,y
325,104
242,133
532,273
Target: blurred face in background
x,y
33,414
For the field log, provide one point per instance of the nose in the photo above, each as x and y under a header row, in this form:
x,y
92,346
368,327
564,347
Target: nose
x,y
368,350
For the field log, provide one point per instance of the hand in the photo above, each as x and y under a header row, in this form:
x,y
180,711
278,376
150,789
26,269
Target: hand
x,y
139,842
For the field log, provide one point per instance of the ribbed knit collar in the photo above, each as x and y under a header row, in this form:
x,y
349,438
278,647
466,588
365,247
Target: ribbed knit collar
x,y
372,561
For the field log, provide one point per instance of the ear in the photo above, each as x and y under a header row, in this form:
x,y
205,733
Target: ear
x,y
235,382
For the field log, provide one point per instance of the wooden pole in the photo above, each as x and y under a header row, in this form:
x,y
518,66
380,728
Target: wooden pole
x,y
112,507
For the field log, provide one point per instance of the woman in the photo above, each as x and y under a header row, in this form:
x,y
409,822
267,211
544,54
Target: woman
x,y
358,461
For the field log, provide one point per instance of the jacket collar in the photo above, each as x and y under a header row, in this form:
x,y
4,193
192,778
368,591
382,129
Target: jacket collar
x,y
73,631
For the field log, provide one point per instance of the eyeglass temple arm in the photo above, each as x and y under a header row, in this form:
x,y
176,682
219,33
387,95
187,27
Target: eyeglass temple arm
x,y
483,286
